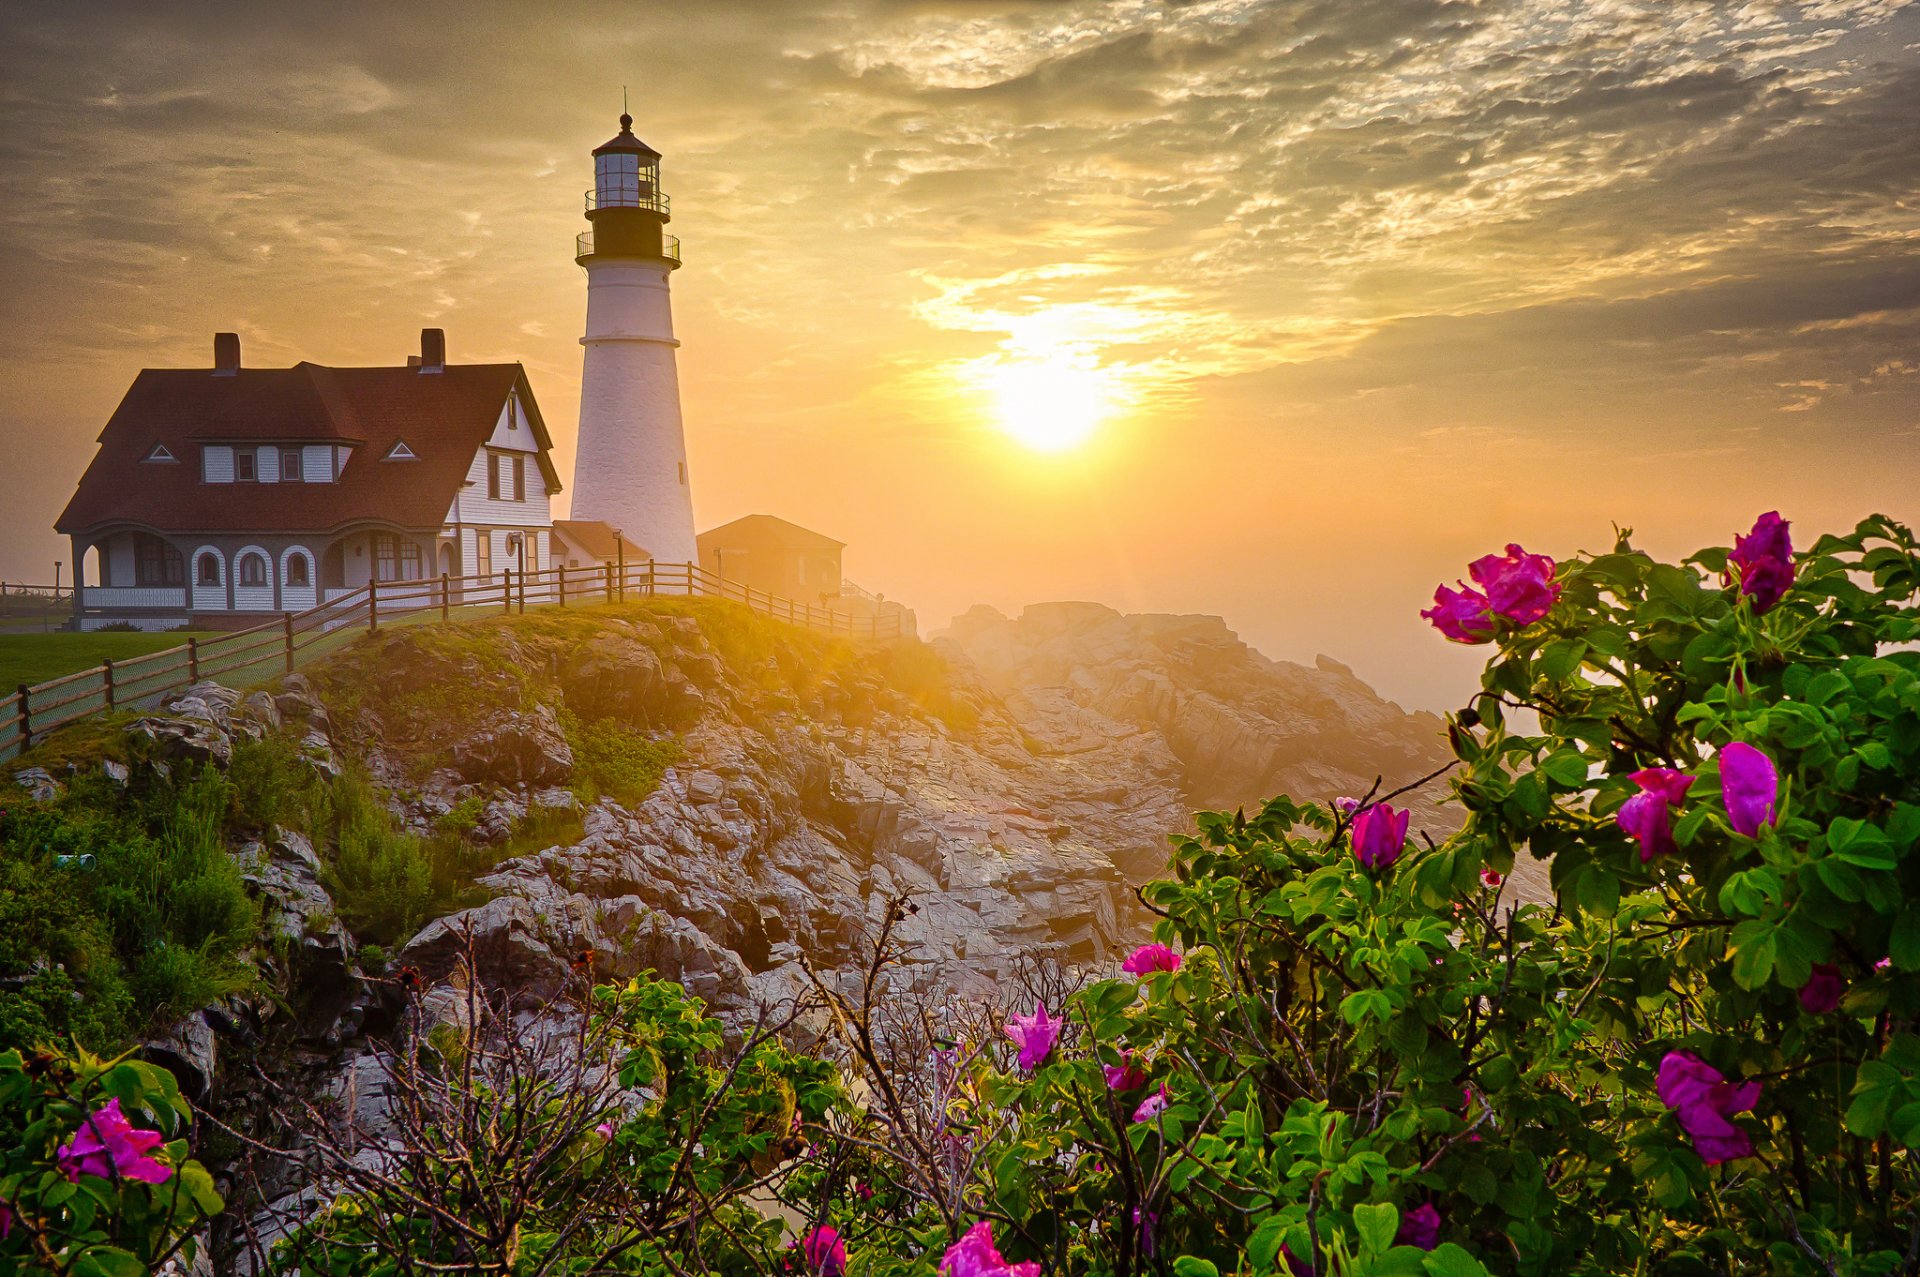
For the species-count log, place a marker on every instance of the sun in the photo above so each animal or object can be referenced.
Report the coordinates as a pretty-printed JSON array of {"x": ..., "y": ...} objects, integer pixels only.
[{"x": 1049, "y": 404}]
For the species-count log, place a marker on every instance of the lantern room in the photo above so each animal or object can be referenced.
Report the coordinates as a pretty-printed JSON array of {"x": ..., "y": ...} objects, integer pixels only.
[{"x": 626, "y": 173}]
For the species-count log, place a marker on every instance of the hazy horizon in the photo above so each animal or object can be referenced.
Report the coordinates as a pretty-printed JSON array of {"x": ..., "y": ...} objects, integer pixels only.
[{"x": 1351, "y": 293}]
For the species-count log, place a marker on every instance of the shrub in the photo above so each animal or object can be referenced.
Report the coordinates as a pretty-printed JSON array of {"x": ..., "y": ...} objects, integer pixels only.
[
  {"x": 616, "y": 760},
  {"x": 125, "y": 1208}
]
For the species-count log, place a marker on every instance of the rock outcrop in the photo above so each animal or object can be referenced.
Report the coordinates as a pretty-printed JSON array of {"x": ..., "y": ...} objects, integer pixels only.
[{"x": 1014, "y": 783}]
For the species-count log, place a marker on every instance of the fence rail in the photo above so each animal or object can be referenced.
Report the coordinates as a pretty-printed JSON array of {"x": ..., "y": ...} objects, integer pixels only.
[{"x": 282, "y": 640}]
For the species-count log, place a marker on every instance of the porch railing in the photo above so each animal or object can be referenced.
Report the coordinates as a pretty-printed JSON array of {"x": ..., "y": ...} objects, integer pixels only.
[{"x": 279, "y": 646}]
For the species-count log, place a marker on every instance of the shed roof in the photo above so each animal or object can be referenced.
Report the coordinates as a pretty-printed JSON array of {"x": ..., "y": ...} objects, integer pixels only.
[
  {"x": 596, "y": 537},
  {"x": 768, "y": 529}
]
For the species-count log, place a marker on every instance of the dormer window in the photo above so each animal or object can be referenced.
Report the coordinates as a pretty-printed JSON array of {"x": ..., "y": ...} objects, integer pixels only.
[
  {"x": 160, "y": 453},
  {"x": 243, "y": 466},
  {"x": 400, "y": 452},
  {"x": 513, "y": 412}
]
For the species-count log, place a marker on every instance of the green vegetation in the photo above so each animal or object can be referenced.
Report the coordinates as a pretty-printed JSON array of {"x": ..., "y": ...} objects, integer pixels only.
[
  {"x": 614, "y": 759},
  {"x": 129, "y": 901},
  {"x": 35, "y": 658}
]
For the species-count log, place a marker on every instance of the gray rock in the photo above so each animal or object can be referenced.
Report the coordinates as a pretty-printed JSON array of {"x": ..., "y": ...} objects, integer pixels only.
[
  {"x": 188, "y": 739},
  {"x": 515, "y": 746},
  {"x": 117, "y": 772},
  {"x": 39, "y": 784},
  {"x": 187, "y": 1051}
]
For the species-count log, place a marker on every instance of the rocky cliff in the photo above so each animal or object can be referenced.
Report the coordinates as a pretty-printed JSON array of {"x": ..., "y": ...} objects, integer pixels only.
[{"x": 1016, "y": 779}]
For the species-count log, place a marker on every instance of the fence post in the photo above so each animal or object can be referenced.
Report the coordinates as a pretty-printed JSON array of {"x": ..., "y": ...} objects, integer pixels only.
[
  {"x": 690, "y": 580},
  {"x": 563, "y": 585},
  {"x": 373, "y": 604},
  {"x": 106, "y": 679},
  {"x": 193, "y": 659},
  {"x": 506, "y": 589},
  {"x": 609, "y": 568},
  {"x": 443, "y": 596},
  {"x": 286, "y": 631},
  {"x": 523, "y": 591},
  {"x": 26, "y": 718}
]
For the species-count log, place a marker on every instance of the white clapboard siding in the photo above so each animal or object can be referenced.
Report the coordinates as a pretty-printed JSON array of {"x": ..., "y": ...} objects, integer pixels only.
[
  {"x": 267, "y": 463},
  {"x": 318, "y": 459},
  {"x": 216, "y": 463}
]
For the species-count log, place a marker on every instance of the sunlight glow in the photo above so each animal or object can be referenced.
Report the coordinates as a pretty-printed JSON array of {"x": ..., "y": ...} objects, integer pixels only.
[{"x": 1050, "y": 403}]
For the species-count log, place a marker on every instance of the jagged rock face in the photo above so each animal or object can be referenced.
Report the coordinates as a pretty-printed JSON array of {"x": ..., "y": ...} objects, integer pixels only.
[
  {"x": 812, "y": 787},
  {"x": 1242, "y": 727}
]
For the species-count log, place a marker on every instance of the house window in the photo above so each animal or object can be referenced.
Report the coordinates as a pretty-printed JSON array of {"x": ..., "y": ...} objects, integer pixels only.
[
  {"x": 483, "y": 552},
  {"x": 243, "y": 466},
  {"x": 519, "y": 478},
  {"x": 493, "y": 476},
  {"x": 253, "y": 569},
  {"x": 156, "y": 563},
  {"x": 206, "y": 570},
  {"x": 513, "y": 412},
  {"x": 298, "y": 572},
  {"x": 291, "y": 469},
  {"x": 160, "y": 453},
  {"x": 409, "y": 560}
]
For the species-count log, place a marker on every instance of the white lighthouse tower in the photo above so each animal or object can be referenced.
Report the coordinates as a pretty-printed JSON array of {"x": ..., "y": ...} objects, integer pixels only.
[{"x": 632, "y": 465}]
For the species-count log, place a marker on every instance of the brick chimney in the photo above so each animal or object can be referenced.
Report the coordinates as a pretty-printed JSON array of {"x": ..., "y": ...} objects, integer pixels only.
[
  {"x": 433, "y": 350},
  {"x": 226, "y": 354}
]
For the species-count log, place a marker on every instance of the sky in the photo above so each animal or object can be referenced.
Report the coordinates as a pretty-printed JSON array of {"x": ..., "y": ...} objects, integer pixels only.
[{"x": 1345, "y": 292}]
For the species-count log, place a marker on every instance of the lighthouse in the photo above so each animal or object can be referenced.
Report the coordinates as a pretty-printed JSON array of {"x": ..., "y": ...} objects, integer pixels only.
[{"x": 631, "y": 470}]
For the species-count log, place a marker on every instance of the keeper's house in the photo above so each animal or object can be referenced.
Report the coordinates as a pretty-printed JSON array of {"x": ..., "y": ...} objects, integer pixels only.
[{"x": 221, "y": 494}]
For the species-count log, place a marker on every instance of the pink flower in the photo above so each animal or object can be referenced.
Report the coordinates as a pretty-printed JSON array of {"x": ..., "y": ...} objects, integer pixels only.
[
  {"x": 1704, "y": 1101},
  {"x": 1346, "y": 806},
  {"x": 1648, "y": 815},
  {"x": 1463, "y": 615},
  {"x": 1765, "y": 559},
  {"x": 975, "y": 1255},
  {"x": 1749, "y": 783},
  {"x": 1821, "y": 993},
  {"x": 6, "y": 1214},
  {"x": 1153, "y": 1106},
  {"x": 1146, "y": 1222},
  {"x": 107, "y": 1145},
  {"x": 1124, "y": 1076},
  {"x": 1419, "y": 1227},
  {"x": 1883, "y": 964},
  {"x": 1296, "y": 1265},
  {"x": 1151, "y": 957},
  {"x": 1489, "y": 877},
  {"x": 826, "y": 1252},
  {"x": 1036, "y": 1035},
  {"x": 604, "y": 1130},
  {"x": 1379, "y": 835},
  {"x": 1519, "y": 586}
]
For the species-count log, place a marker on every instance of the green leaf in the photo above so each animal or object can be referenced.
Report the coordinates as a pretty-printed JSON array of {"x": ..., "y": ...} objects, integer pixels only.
[
  {"x": 1562, "y": 657},
  {"x": 1377, "y": 1223},
  {"x": 108, "y": 1261},
  {"x": 1753, "y": 953},
  {"x": 1263, "y": 1248},
  {"x": 1566, "y": 767},
  {"x": 1450, "y": 1260},
  {"x": 1194, "y": 1266},
  {"x": 1903, "y": 945}
]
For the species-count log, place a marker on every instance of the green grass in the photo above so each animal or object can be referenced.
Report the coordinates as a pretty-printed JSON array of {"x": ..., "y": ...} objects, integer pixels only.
[{"x": 35, "y": 658}]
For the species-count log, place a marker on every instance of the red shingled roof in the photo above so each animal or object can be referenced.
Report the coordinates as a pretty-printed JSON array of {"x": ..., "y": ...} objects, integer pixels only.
[{"x": 443, "y": 417}]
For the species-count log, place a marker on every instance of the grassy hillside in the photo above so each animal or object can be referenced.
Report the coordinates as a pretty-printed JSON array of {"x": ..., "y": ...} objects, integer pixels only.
[{"x": 35, "y": 658}]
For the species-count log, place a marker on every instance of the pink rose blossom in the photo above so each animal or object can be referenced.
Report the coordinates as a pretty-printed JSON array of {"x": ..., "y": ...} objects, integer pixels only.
[
  {"x": 1153, "y": 1106},
  {"x": 1648, "y": 815},
  {"x": 1705, "y": 1102},
  {"x": 1420, "y": 1227},
  {"x": 1749, "y": 784},
  {"x": 1036, "y": 1035},
  {"x": 107, "y": 1145},
  {"x": 1765, "y": 559},
  {"x": 1491, "y": 878},
  {"x": 1519, "y": 586},
  {"x": 975, "y": 1255},
  {"x": 825, "y": 1251},
  {"x": 1149, "y": 958},
  {"x": 1463, "y": 615},
  {"x": 1823, "y": 989},
  {"x": 1379, "y": 835},
  {"x": 1124, "y": 1076}
]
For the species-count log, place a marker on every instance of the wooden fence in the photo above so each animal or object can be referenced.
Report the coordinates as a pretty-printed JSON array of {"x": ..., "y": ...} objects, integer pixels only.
[{"x": 280, "y": 645}]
